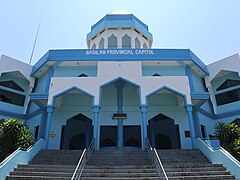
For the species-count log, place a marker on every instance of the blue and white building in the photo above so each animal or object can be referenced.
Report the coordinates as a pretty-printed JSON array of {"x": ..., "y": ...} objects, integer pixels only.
[{"x": 120, "y": 90}]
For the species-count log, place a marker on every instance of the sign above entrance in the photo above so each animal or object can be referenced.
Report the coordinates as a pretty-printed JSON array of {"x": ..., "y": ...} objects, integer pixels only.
[
  {"x": 119, "y": 51},
  {"x": 119, "y": 116}
]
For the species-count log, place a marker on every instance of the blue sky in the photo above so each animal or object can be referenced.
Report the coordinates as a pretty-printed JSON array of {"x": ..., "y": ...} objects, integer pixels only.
[{"x": 210, "y": 28}]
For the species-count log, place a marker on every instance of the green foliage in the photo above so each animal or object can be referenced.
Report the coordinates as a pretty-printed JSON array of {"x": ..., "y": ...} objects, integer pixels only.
[
  {"x": 13, "y": 134},
  {"x": 229, "y": 136}
]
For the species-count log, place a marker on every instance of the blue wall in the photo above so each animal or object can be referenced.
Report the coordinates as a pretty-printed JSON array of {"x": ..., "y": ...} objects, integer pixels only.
[
  {"x": 163, "y": 70},
  {"x": 75, "y": 71}
]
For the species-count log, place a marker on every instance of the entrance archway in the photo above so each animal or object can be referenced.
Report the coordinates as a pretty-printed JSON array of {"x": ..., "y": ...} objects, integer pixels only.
[
  {"x": 77, "y": 133},
  {"x": 163, "y": 133},
  {"x": 120, "y": 97}
]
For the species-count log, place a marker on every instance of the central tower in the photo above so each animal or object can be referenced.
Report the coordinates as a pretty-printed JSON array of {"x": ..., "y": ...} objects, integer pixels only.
[{"x": 119, "y": 30}]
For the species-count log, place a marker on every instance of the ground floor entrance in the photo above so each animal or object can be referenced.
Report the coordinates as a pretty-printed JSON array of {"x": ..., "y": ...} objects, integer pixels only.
[
  {"x": 77, "y": 133},
  {"x": 131, "y": 137},
  {"x": 163, "y": 133}
]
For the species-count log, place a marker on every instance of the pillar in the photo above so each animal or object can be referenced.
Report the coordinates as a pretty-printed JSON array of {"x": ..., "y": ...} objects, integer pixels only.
[
  {"x": 191, "y": 123},
  {"x": 48, "y": 123},
  {"x": 197, "y": 124},
  {"x": 144, "y": 125},
  {"x": 95, "y": 126},
  {"x": 120, "y": 85},
  {"x": 189, "y": 74}
]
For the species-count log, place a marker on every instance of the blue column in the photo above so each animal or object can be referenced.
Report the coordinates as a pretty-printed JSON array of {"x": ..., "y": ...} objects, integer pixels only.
[
  {"x": 95, "y": 126},
  {"x": 42, "y": 125},
  {"x": 50, "y": 75},
  {"x": 120, "y": 85},
  {"x": 48, "y": 123},
  {"x": 191, "y": 123},
  {"x": 144, "y": 125},
  {"x": 197, "y": 124},
  {"x": 189, "y": 74}
]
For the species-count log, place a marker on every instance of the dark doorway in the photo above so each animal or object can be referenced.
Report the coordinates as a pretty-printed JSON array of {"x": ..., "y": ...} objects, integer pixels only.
[
  {"x": 108, "y": 136},
  {"x": 163, "y": 141},
  {"x": 77, "y": 133},
  {"x": 132, "y": 136},
  {"x": 74, "y": 141},
  {"x": 163, "y": 133}
]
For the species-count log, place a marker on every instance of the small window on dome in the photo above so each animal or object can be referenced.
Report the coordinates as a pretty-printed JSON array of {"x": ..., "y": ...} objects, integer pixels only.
[
  {"x": 137, "y": 43},
  {"x": 126, "y": 41},
  {"x": 101, "y": 44},
  {"x": 94, "y": 46},
  {"x": 156, "y": 74},
  {"x": 112, "y": 42},
  {"x": 145, "y": 46},
  {"x": 83, "y": 75}
]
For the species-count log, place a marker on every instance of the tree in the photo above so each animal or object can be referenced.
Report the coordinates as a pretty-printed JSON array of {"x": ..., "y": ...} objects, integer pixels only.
[
  {"x": 229, "y": 136},
  {"x": 14, "y": 134}
]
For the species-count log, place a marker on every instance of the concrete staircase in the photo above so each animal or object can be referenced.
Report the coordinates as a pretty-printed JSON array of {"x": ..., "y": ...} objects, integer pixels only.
[
  {"x": 124, "y": 165},
  {"x": 49, "y": 165},
  {"x": 191, "y": 165}
]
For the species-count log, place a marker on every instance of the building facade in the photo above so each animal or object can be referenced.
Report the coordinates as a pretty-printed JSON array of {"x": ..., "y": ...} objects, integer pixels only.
[{"x": 120, "y": 91}]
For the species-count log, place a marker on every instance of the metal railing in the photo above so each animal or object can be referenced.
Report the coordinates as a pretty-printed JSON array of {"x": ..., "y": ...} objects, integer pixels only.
[
  {"x": 154, "y": 158},
  {"x": 86, "y": 155}
]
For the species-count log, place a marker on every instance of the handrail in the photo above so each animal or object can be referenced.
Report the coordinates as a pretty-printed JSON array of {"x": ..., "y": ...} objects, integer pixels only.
[
  {"x": 153, "y": 156},
  {"x": 86, "y": 155}
]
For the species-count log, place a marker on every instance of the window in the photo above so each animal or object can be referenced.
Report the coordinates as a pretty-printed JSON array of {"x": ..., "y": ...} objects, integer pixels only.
[
  {"x": 4, "y": 99},
  {"x": 101, "y": 44},
  {"x": 228, "y": 83},
  {"x": 145, "y": 46},
  {"x": 94, "y": 46},
  {"x": 112, "y": 42},
  {"x": 126, "y": 41},
  {"x": 36, "y": 133},
  {"x": 203, "y": 129},
  {"x": 137, "y": 43},
  {"x": 83, "y": 75},
  {"x": 12, "y": 98},
  {"x": 156, "y": 74},
  {"x": 12, "y": 85},
  {"x": 228, "y": 97}
]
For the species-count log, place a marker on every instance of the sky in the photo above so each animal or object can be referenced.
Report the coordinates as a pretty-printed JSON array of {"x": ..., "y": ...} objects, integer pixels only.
[{"x": 210, "y": 28}]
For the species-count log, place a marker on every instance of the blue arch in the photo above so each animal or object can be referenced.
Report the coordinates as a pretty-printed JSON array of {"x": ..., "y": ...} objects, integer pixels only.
[
  {"x": 169, "y": 89},
  {"x": 116, "y": 79},
  {"x": 72, "y": 88}
]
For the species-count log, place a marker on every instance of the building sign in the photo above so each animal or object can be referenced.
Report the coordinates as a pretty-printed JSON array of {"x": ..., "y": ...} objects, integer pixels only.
[
  {"x": 119, "y": 116},
  {"x": 119, "y": 52}
]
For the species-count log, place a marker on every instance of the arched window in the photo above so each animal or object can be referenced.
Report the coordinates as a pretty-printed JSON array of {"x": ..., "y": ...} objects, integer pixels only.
[
  {"x": 94, "y": 46},
  {"x": 12, "y": 85},
  {"x": 112, "y": 42},
  {"x": 156, "y": 74},
  {"x": 137, "y": 43},
  {"x": 228, "y": 83},
  {"x": 126, "y": 41},
  {"x": 145, "y": 46},
  {"x": 101, "y": 44},
  {"x": 83, "y": 75}
]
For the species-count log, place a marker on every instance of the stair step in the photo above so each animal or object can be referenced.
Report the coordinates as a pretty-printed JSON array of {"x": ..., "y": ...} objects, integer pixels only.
[{"x": 20, "y": 177}]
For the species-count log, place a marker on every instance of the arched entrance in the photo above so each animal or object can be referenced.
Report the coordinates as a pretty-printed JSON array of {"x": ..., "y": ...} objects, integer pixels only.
[
  {"x": 163, "y": 133},
  {"x": 120, "y": 97},
  {"x": 77, "y": 132}
]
